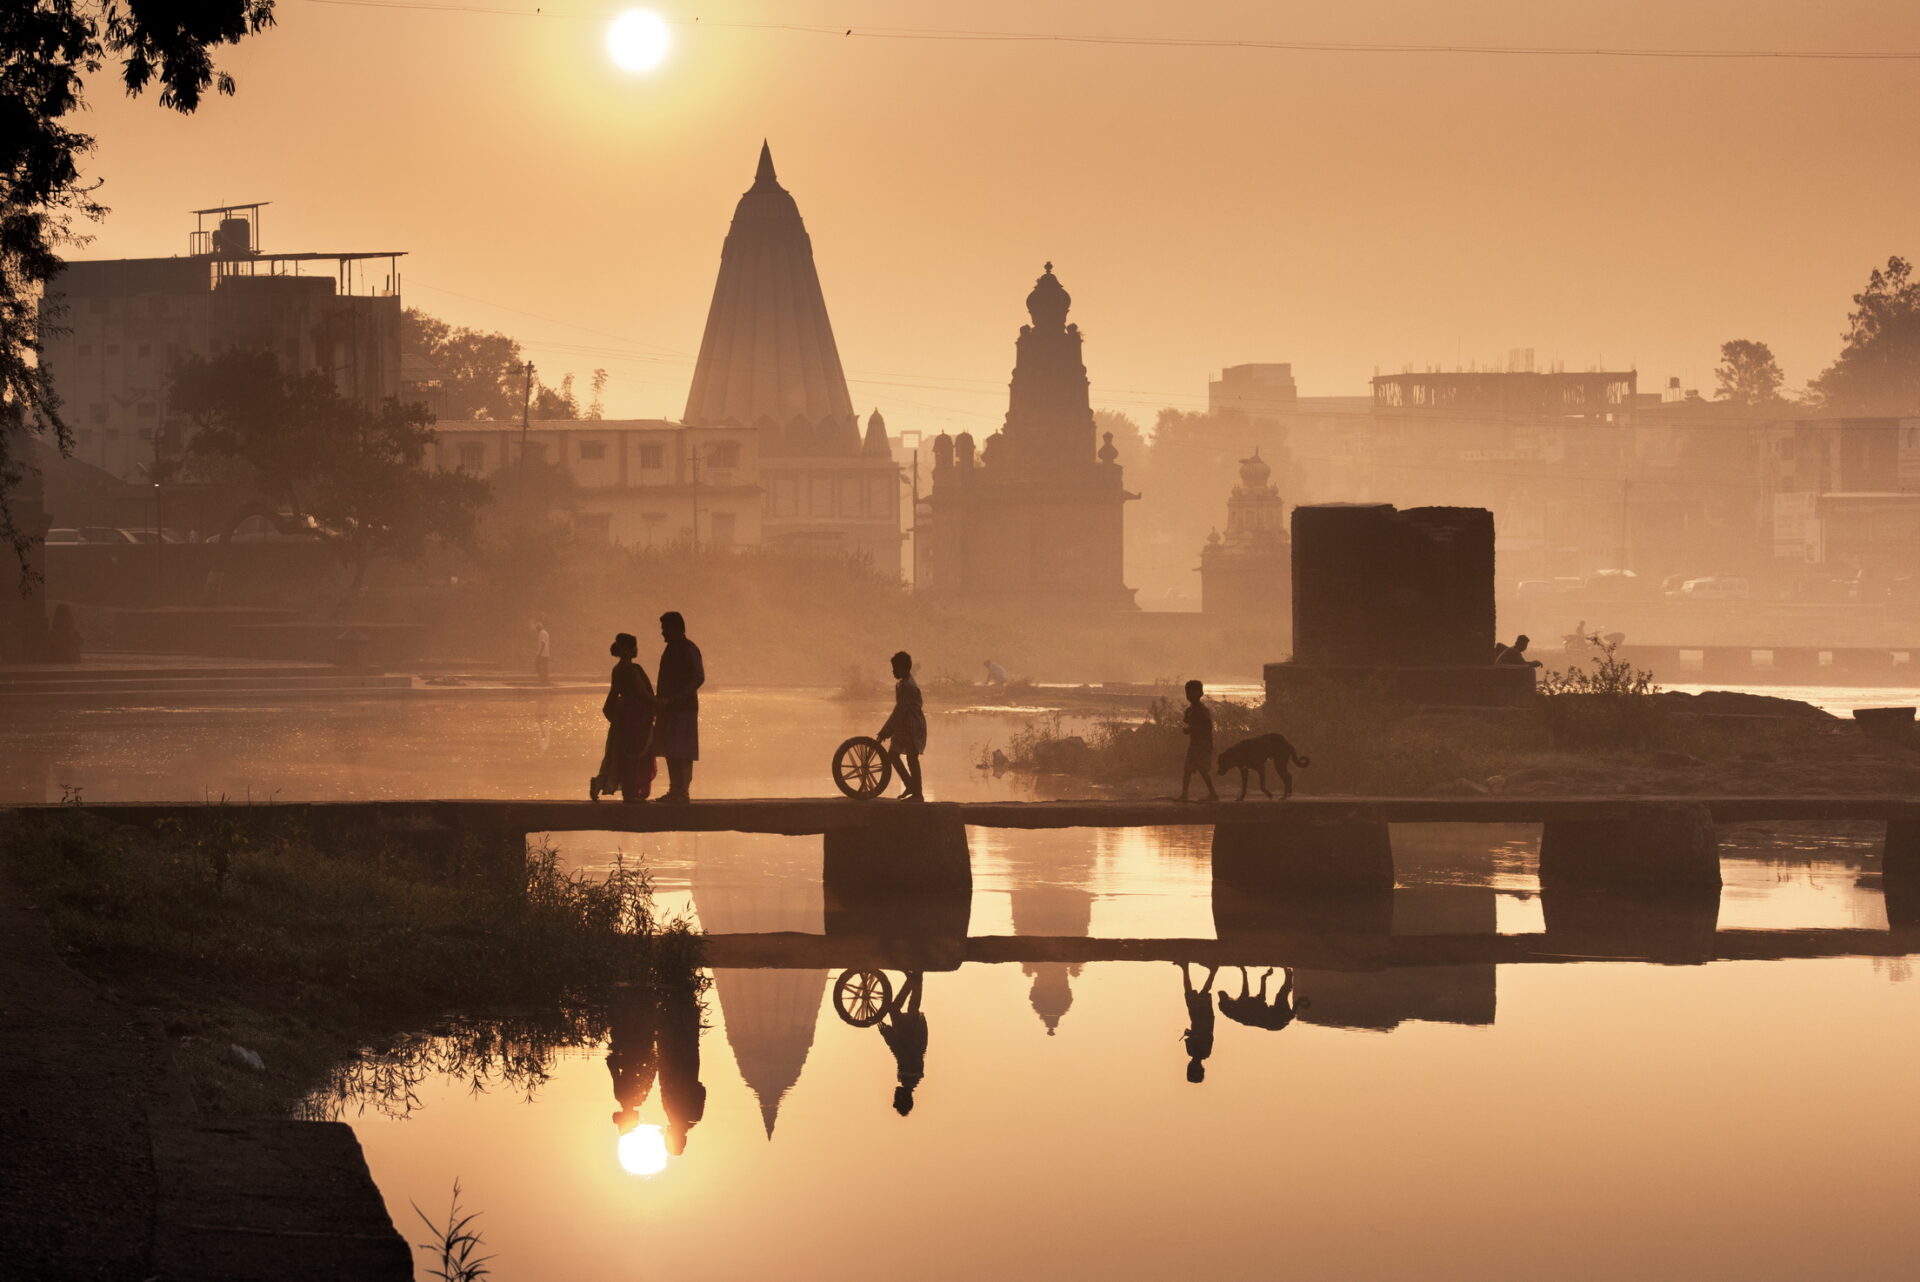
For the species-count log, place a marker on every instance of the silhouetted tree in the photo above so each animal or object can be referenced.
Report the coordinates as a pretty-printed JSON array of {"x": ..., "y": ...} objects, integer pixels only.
[
  {"x": 482, "y": 375},
  {"x": 360, "y": 474},
  {"x": 1878, "y": 371},
  {"x": 47, "y": 47},
  {"x": 1747, "y": 373}
]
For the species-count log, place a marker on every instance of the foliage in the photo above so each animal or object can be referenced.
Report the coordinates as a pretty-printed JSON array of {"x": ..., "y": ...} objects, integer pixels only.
[
  {"x": 455, "y": 1243},
  {"x": 1611, "y": 676},
  {"x": 1606, "y": 707},
  {"x": 359, "y": 473},
  {"x": 241, "y": 927},
  {"x": 1878, "y": 371},
  {"x": 47, "y": 48},
  {"x": 485, "y": 375},
  {"x": 1748, "y": 373}
]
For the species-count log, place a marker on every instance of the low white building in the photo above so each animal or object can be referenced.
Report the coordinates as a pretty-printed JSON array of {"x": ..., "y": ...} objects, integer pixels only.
[{"x": 641, "y": 482}]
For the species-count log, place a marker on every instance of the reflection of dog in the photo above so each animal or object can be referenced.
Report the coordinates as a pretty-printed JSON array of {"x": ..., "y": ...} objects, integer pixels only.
[{"x": 1254, "y": 754}]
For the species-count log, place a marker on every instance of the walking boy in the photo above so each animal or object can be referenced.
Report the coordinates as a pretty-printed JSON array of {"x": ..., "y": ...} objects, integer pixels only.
[
  {"x": 906, "y": 729},
  {"x": 1199, "y": 732}
]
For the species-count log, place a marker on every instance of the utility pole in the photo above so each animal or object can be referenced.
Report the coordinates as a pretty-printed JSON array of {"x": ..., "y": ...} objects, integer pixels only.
[
  {"x": 526, "y": 402},
  {"x": 693, "y": 476}
]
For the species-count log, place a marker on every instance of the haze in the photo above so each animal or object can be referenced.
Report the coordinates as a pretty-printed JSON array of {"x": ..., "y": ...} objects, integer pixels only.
[{"x": 1345, "y": 212}]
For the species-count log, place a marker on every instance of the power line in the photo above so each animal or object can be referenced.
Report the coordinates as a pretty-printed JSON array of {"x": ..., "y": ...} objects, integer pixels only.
[{"x": 840, "y": 31}]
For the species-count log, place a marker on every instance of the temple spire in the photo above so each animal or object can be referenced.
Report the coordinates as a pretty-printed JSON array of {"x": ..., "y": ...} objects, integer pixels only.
[{"x": 765, "y": 174}]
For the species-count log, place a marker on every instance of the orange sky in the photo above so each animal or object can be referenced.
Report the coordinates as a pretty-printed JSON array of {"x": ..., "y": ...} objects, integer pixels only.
[{"x": 1345, "y": 212}]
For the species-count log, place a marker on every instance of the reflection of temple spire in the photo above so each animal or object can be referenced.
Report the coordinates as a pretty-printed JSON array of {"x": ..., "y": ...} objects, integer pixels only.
[
  {"x": 769, "y": 1015},
  {"x": 1051, "y": 910}
]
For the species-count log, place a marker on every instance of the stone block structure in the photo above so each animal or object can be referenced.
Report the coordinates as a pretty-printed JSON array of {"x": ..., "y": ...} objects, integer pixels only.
[{"x": 1401, "y": 602}]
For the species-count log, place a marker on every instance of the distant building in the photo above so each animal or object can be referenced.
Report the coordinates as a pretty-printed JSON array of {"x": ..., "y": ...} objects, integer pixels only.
[
  {"x": 1254, "y": 391},
  {"x": 1519, "y": 392},
  {"x": 1036, "y": 517},
  {"x": 120, "y": 324},
  {"x": 1247, "y": 572},
  {"x": 768, "y": 362},
  {"x": 641, "y": 483}
]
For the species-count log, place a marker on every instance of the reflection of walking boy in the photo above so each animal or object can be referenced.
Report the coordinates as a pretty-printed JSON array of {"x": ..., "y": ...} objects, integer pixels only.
[
  {"x": 905, "y": 1032},
  {"x": 1199, "y": 1034},
  {"x": 1199, "y": 732}
]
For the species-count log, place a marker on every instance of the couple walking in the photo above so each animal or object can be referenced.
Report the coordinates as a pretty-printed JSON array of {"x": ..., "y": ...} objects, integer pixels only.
[{"x": 646, "y": 719}]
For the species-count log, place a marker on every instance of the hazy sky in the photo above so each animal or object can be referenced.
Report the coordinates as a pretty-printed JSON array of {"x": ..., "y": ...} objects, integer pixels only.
[{"x": 1205, "y": 206}]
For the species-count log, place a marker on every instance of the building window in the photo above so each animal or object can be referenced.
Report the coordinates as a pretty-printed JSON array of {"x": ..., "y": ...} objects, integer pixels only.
[
  {"x": 653, "y": 456},
  {"x": 86, "y": 349},
  {"x": 473, "y": 456},
  {"x": 723, "y": 529},
  {"x": 98, "y": 411},
  {"x": 878, "y": 492},
  {"x": 146, "y": 409},
  {"x": 849, "y": 496},
  {"x": 784, "y": 503},
  {"x": 144, "y": 351},
  {"x": 145, "y": 434},
  {"x": 820, "y": 496},
  {"x": 724, "y": 454},
  {"x": 533, "y": 452},
  {"x": 113, "y": 349},
  {"x": 593, "y": 449}
]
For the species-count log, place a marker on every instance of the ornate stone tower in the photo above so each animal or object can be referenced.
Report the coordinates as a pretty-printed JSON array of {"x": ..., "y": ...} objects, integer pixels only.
[
  {"x": 768, "y": 361},
  {"x": 1247, "y": 573},
  {"x": 1034, "y": 517}
]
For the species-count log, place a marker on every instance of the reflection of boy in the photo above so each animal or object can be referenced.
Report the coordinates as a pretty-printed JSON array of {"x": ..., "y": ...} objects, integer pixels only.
[
  {"x": 1199, "y": 1034},
  {"x": 1199, "y": 732}
]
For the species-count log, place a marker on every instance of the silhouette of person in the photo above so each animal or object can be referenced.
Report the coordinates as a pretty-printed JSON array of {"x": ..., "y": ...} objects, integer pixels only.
[
  {"x": 1199, "y": 732},
  {"x": 1255, "y": 1010},
  {"x": 1515, "y": 655},
  {"x": 905, "y": 1031},
  {"x": 542, "y": 652},
  {"x": 630, "y": 1053},
  {"x": 1199, "y": 1034},
  {"x": 996, "y": 675},
  {"x": 627, "y": 765},
  {"x": 676, "y": 726},
  {"x": 906, "y": 728},
  {"x": 681, "y": 1091}
]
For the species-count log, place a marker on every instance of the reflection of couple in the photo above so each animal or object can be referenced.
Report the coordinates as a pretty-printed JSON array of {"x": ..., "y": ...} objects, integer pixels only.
[
  {"x": 644, "y": 723},
  {"x": 657, "y": 1034},
  {"x": 1252, "y": 1008}
]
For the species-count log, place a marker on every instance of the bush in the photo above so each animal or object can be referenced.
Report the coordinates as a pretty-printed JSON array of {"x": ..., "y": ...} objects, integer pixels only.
[{"x": 1609, "y": 707}]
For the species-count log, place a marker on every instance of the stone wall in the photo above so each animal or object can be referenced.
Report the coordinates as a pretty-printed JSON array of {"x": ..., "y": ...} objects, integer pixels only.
[{"x": 1376, "y": 586}]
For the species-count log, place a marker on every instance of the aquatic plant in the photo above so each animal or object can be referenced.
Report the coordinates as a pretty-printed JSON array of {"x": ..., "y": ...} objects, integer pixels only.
[{"x": 454, "y": 1243}]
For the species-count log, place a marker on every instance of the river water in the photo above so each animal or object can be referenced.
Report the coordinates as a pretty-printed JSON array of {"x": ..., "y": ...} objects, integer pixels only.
[{"x": 1535, "y": 1108}]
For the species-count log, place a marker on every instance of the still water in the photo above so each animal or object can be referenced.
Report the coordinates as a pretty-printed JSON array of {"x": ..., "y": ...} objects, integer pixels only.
[{"x": 1535, "y": 1108}]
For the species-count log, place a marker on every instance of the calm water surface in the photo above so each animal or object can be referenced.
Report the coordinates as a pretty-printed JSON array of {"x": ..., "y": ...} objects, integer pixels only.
[{"x": 1561, "y": 1115}]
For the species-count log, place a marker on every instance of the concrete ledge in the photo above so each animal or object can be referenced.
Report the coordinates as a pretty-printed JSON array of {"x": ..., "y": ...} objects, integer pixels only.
[{"x": 1322, "y": 848}]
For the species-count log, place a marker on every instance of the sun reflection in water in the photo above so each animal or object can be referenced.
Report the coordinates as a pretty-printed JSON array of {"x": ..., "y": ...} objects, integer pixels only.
[{"x": 643, "y": 1151}]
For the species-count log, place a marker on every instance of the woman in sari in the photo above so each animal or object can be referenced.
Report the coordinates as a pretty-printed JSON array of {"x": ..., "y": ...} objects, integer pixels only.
[{"x": 627, "y": 765}]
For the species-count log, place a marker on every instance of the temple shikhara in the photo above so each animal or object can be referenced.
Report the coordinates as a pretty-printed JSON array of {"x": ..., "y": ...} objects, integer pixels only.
[
  {"x": 1034, "y": 516},
  {"x": 768, "y": 361}
]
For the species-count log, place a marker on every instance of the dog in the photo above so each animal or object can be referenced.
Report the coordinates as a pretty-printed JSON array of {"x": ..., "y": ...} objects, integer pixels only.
[{"x": 1254, "y": 754}]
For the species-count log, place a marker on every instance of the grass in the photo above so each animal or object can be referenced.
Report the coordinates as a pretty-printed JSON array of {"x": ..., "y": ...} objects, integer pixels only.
[{"x": 242, "y": 932}]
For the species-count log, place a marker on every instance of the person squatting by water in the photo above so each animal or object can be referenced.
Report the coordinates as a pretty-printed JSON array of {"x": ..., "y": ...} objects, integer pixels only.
[
  {"x": 676, "y": 727},
  {"x": 905, "y": 1032},
  {"x": 906, "y": 729},
  {"x": 1199, "y": 1034},
  {"x": 626, "y": 766},
  {"x": 1199, "y": 732}
]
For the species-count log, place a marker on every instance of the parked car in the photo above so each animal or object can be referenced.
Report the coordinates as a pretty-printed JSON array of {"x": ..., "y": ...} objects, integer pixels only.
[
  {"x": 105, "y": 534},
  {"x": 1714, "y": 590},
  {"x": 151, "y": 535},
  {"x": 64, "y": 535}
]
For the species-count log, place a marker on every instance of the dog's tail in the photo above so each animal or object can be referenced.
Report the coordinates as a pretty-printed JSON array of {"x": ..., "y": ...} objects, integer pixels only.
[{"x": 1299, "y": 760}]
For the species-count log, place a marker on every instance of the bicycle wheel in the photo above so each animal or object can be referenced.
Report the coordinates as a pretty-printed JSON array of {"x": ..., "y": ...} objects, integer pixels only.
[
  {"x": 862, "y": 997},
  {"x": 862, "y": 768}
]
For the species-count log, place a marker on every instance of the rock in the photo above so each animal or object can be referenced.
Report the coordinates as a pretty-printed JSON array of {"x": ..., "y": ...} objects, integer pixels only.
[
  {"x": 1739, "y": 703},
  {"x": 1669, "y": 760},
  {"x": 1061, "y": 756}
]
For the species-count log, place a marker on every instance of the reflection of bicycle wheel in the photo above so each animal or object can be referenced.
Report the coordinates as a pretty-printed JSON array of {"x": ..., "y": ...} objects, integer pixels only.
[
  {"x": 862, "y": 767},
  {"x": 862, "y": 996}
]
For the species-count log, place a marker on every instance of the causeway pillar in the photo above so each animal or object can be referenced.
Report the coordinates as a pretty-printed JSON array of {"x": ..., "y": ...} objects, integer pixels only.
[
  {"x": 1900, "y": 873},
  {"x": 1645, "y": 845},
  {"x": 905, "y": 873},
  {"x": 1673, "y": 925},
  {"x": 1318, "y": 850}
]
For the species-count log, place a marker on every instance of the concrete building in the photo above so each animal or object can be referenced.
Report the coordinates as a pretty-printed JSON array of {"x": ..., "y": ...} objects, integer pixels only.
[
  {"x": 1254, "y": 392},
  {"x": 122, "y": 323},
  {"x": 1036, "y": 518},
  {"x": 768, "y": 362},
  {"x": 640, "y": 482}
]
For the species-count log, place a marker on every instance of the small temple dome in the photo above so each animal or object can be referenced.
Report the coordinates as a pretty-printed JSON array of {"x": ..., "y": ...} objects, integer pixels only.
[
  {"x": 1048, "y": 302},
  {"x": 1255, "y": 472},
  {"x": 1108, "y": 452},
  {"x": 876, "y": 444}
]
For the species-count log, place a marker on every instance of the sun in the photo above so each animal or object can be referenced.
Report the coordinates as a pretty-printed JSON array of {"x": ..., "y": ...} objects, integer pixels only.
[
  {"x": 643, "y": 1151},
  {"x": 638, "y": 40}
]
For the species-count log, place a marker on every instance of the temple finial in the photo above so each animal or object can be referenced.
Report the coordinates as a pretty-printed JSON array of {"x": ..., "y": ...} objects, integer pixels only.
[
  {"x": 1049, "y": 267},
  {"x": 765, "y": 172}
]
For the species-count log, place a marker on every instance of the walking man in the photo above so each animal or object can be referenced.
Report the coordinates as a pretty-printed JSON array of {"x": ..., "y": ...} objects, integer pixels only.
[
  {"x": 542, "y": 652},
  {"x": 676, "y": 727}
]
